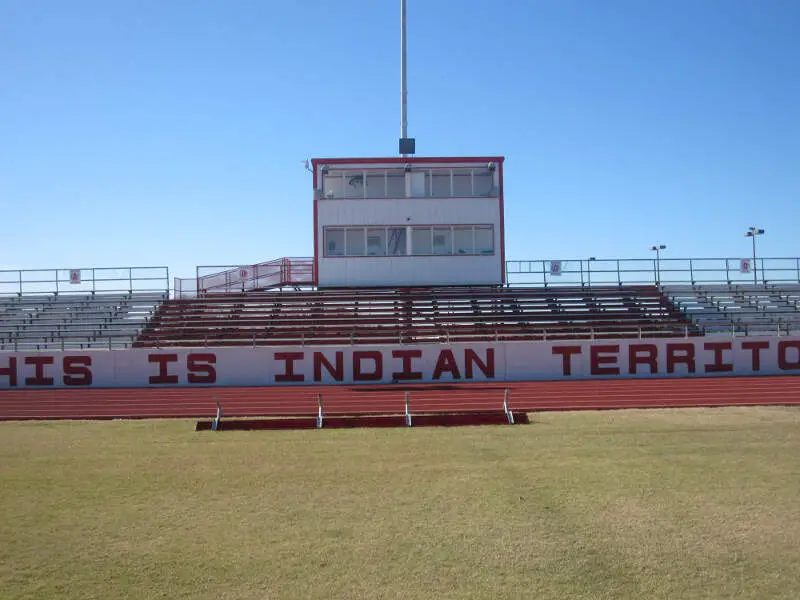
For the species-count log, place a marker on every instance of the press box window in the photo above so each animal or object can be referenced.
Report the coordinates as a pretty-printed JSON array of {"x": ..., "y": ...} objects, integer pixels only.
[
  {"x": 334, "y": 242},
  {"x": 463, "y": 240},
  {"x": 422, "y": 240},
  {"x": 442, "y": 241},
  {"x": 395, "y": 184},
  {"x": 482, "y": 183},
  {"x": 376, "y": 185},
  {"x": 397, "y": 241},
  {"x": 484, "y": 239},
  {"x": 376, "y": 242},
  {"x": 462, "y": 183},
  {"x": 354, "y": 241},
  {"x": 440, "y": 184}
]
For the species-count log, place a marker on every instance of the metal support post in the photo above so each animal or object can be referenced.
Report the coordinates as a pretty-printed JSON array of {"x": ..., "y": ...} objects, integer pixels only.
[
  {"x": 509, "y": 414},
  {"x": 403, "y": 80},
  {"x": 217, "y": 420}
]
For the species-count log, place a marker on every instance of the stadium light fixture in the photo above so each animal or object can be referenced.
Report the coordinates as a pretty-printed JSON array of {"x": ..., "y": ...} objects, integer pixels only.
[
  {"x": 657, "y": 249},
  {"x": 752, "y": 232}
]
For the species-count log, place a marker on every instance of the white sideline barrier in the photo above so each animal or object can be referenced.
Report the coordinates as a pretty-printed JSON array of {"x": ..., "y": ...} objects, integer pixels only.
[{"x": 510, "y": 361}]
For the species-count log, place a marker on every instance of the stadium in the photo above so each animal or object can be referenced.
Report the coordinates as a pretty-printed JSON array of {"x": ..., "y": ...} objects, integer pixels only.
[
  {"x": 179, "y": 436},
  {"x": 408, "y": 284}
]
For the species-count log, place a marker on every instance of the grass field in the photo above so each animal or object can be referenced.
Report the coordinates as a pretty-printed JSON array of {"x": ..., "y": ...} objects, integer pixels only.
[{"x": 697, "y": 503}]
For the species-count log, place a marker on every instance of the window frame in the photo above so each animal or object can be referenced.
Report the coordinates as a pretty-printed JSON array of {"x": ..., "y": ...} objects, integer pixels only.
[
  {"x": 415, "y": 229},
  {"x": 352, "y": 183}
]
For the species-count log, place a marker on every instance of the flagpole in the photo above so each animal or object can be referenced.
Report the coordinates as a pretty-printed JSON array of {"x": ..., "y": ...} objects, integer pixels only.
[{"x": 403, "y": 81}]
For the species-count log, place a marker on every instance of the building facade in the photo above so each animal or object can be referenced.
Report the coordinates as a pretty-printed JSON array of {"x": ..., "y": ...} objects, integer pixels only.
[{"x": 408, "y": 221}]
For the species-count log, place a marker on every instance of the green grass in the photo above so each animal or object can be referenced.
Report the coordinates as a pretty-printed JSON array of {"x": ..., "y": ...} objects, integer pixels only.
[{"x": 630, "y": 504}]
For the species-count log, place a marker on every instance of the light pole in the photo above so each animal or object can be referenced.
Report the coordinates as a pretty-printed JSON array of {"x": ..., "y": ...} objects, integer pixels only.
[
  {"x": 752, "y": 232},
  {"x": 589, "y": 270},
  {"x": 658, "y": 248}
]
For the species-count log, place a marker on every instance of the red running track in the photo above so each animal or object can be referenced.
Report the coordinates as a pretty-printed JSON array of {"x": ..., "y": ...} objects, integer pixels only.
[{"x": 387, "y": 399}]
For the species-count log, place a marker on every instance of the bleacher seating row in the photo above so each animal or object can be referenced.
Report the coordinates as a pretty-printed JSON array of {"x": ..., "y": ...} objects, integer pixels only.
[
  {"x": 740, "y": 310},
  {"x": 75, "y": 321},
  {"x": 408, "y": 316}
]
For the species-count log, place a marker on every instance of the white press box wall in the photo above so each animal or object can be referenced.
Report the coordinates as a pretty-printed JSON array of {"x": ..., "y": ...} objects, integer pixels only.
[{"x": 379, "y": 204}]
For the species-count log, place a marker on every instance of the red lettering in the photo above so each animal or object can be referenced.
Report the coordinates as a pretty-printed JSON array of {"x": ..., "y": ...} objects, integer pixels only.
[
  {"x": 163, "y": 370},
  {"x": 680, "y": 354},
  {"x": 359, "y": 374},
  {"x": 755, "y": 352},
  {"x": 336, "y": 371},
  {"x": 597, "y": 359},
  {"x": 39, "y": 363},
  {"x": 566, "y": 353},
  {"x": 289, "y": 359},
  {"x": 446, "y": 362},
  {"x": 77, "y": 371},
  {"x": 719, "y": 366},
  {"x": 201, "y": 367},
  {"x": 10, "y": 371},
  {"x": 783, "y": 360},
  {"x": 487, "y": 368},
  {"x": 648, "y": 355},
  {"x": 407, "y": 374}
]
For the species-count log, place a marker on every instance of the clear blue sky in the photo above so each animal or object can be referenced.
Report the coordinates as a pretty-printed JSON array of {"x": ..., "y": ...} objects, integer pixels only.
[{"x": 172, "y": 132}]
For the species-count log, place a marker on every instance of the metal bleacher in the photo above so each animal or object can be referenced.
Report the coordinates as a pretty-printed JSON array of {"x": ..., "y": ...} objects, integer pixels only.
[
  {"x": 413, "y": 316},
  {"x": 60, "y": 309},
  {"x": 588, "y": 299},
  {"x": 740, "y": 309},
  {"x": 64, "y": 322}
]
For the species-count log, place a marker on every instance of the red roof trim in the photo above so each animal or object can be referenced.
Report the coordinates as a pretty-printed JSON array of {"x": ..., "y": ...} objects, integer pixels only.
[{"x": 410, "y": 159}]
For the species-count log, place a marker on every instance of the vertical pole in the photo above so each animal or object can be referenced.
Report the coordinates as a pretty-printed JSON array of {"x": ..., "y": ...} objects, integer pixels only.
[
  {"x": 658, "y": 266},
  {"x": 589, "y": 273},
  {"x": 509, "y": 414},
  {"x": 216, "y": 422},
  {"x": 655, "y": 269},
  {"x": 544, "y": 274},
  {"x": 755, "y": 267},
  {"x": 403, "y": 83}
]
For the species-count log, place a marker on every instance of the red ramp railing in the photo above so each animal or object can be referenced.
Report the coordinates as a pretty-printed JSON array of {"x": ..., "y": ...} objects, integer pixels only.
[{"x": 281, "y": 272}]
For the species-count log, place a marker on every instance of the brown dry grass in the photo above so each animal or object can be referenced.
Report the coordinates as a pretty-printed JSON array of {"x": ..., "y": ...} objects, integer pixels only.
[{"x": 629, "y": 504}]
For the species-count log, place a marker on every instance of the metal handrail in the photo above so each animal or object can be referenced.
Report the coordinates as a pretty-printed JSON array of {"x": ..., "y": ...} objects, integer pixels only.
[
  {"x": 279, "y": 272},
  {"x": 651, "y": 271},
  {"x": 83, "y": 281},
  {"x": 729, "y": 330}
]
